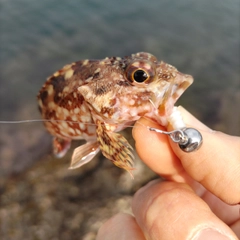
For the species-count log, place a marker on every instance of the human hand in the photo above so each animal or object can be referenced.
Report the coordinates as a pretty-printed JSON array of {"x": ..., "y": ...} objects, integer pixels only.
[{"x": 200, "y": 197}]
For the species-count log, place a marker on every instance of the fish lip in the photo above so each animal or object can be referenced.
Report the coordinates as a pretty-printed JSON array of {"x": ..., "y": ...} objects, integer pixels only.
[
  {"x": 180, "y": 84},
  {"x": 177, "y": 87}
]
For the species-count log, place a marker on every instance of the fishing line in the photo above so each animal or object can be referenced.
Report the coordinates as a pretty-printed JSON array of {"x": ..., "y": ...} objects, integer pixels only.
[
  {"x": 55, "y": 120},
  {"x": 41, "y": 120},
  {"x": 188, "y": 139}
]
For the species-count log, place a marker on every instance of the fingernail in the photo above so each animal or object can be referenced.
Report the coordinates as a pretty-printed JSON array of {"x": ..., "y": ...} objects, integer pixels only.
[{"x": 210, "y": 234}]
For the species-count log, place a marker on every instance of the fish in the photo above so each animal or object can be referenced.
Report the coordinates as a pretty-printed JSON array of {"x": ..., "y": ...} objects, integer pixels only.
[{"x": 95, "y": 99}]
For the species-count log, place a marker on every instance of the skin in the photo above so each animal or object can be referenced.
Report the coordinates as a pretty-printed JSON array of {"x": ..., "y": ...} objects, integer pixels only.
[{"x": 200, "y": 196}]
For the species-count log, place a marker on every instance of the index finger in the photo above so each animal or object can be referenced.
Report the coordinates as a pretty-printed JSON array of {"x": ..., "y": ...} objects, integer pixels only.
[{"x": 216, "y": 165}]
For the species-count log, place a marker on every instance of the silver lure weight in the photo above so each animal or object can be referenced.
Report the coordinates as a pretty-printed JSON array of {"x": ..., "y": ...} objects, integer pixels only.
[{"x": 188, "y": 139}]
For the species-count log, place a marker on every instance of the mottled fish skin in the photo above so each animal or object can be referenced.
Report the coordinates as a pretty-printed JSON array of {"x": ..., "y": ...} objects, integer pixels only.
[{"x": 94, "y": 99}]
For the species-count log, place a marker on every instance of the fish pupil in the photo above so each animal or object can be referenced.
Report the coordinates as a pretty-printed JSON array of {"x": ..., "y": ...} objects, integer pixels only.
[{"x": 140, "y": 76}]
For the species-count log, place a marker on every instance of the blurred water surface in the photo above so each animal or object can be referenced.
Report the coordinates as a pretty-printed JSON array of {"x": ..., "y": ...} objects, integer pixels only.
[
  {"x": 38, "y": 37},
  {"x": 200, "y": 38}
]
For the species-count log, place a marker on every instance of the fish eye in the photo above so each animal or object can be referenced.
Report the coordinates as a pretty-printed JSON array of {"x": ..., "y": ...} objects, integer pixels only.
[
  {"x": 140, "y": 72},
  {"x": 140, "y": 76}
]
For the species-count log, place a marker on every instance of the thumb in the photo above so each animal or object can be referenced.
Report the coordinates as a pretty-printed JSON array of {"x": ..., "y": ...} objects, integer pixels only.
[{"x": 216, "y": 165}]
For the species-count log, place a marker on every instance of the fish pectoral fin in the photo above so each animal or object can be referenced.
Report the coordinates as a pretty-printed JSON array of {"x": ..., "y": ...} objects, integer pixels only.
[
  {"x": 60, "y": 146},
  {"x": 115, "y": 147},
  {"x": 84, "y": 154}
]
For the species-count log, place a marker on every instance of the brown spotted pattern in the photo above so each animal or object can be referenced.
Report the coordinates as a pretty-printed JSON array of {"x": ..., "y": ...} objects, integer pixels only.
[{"x": 94, "y": 99}]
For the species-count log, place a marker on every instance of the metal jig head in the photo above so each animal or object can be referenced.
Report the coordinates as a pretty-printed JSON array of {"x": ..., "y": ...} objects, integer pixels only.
[{"x": 188, "y": 139}]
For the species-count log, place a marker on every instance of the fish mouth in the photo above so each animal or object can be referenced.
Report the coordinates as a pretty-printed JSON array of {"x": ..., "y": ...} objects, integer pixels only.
[
  {"x": 180, "y": 84},
  {"x": 177, "y": 87}
]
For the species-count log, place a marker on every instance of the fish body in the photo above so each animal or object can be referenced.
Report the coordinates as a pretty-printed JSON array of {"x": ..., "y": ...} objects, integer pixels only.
[{"x": 95, "y": 99}]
